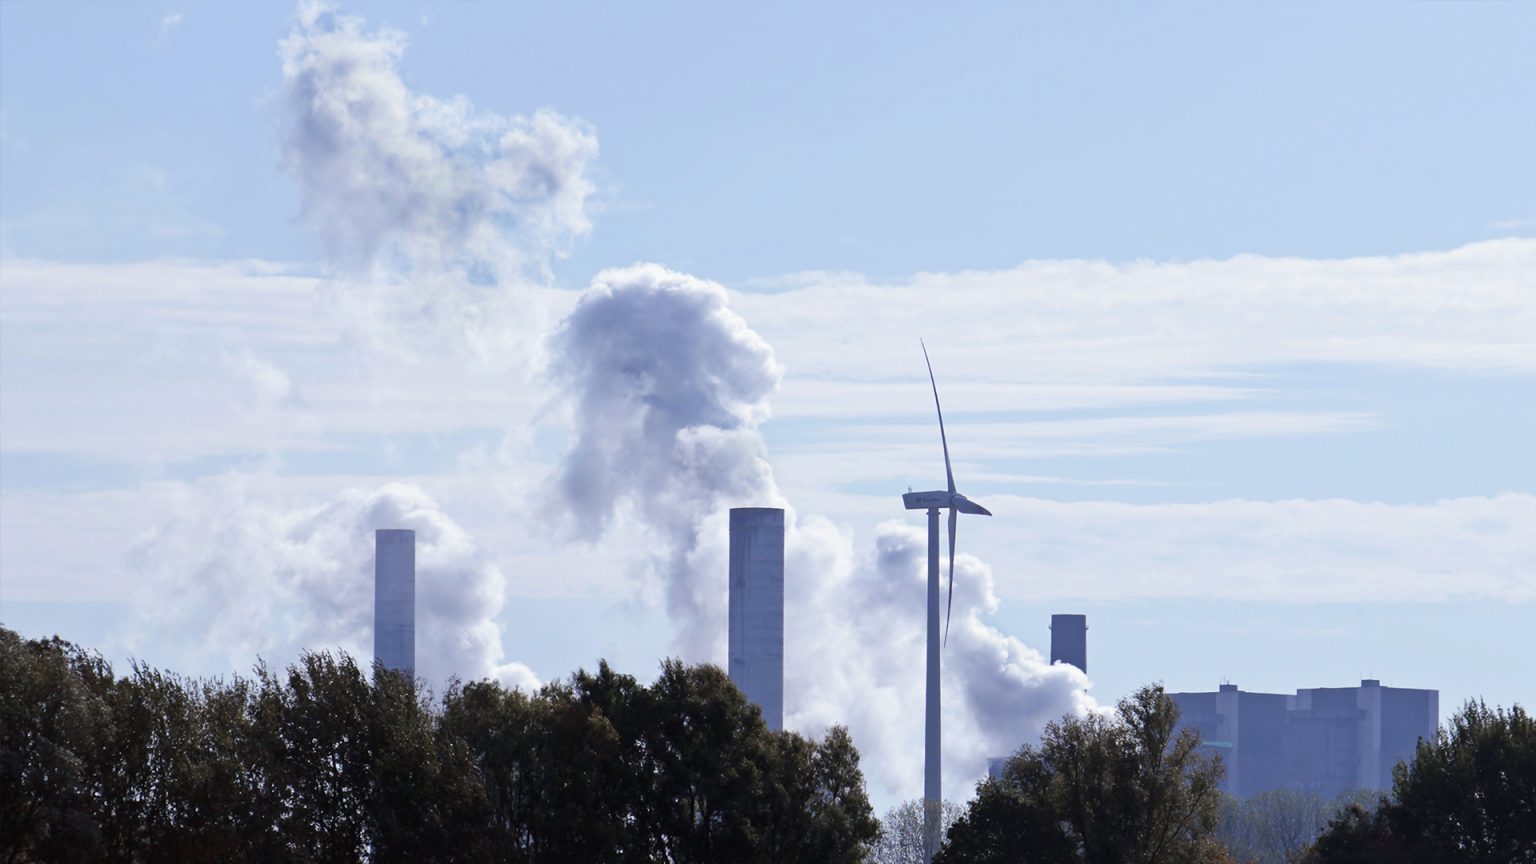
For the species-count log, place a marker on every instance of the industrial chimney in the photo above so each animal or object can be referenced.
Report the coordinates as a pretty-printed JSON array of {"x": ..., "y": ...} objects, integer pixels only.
[
  {"x": 756, "y": 638},
  {"x": 1069, "y": 640},
  {"x": 394, "y": 599}
]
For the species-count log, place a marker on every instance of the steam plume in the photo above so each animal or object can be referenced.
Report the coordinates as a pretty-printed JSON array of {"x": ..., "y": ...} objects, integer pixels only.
[
  {"x": 251, "y": 577},
  {"x": 435, "y": 205},
  {"x": 668, "y": 387}
]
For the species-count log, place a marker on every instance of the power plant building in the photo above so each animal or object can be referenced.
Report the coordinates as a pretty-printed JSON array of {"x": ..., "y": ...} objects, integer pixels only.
[
  {"x": 1069, "y": 640},
  {"x": 394, "y": 599},
  {"x": 1325, "y": 739},
  {"x": 756, "y": 617}
]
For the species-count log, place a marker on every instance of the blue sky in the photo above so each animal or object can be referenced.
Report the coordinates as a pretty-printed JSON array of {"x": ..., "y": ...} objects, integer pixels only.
[
  {"x": 970, "y": 138},
  {"x": 1231, "y": 308}
]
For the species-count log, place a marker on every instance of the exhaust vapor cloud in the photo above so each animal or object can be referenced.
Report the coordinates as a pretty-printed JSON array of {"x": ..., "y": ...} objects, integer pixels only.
[
  {"x": 429, "y": 208},
  {"x": 855, "y": 637},
  {"x": 667, "y": 389},
  {"x": 439, "y": 222},
  {"x": 389, "y": 174},
  {"x": 253, "y": 577}
]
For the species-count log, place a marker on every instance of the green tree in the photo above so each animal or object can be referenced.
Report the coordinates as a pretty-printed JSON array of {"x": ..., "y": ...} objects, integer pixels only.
[
  {"x": 53, "y": 718},
  {"x": 1357, "y": 835},
  {"x": 494, "y": 725},
  {"x": 313, "y": 725},
  {"x": 1012, "y": 819},
  {"x": 425, "y": 799},
  {"x": 901, "y": 832},
  {"x": 1099, "y": 790},
  {"x": 1276, "y": 826},
  {"x": 145, "y": 768},
  {"x": 321, "y": 764},
  {"x": 817, "y": 808},
  {"x": 172, "y": 784},
  {"x": 559, "y": 777},
  {"x": 581, "y": 799},
  {"x": 353, "y": 769},
  {"x": 709, "y": 766},
  {"x": 1469, "y": 796},
  {"x": 601, "y": 768}
]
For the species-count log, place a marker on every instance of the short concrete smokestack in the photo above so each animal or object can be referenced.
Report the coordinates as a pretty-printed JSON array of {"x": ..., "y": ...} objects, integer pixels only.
[
  {"x": 756, "y": 638},
  {"x": 1069, "y": 640},
  {"x": 394, "y": 599}
]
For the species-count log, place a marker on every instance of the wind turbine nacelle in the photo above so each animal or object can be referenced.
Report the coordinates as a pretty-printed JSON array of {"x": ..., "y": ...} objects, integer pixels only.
[{"x": 927, "y": 500}]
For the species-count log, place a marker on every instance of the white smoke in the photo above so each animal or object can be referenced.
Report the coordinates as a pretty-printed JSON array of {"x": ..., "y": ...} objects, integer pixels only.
[
  {"x": 429, "y": 209},
  {"x": 855, "y": 633},
  {"x": 437, "y": 221},
  {"x": 668, "y": 387},
  {"x": 251, "y": 577}
]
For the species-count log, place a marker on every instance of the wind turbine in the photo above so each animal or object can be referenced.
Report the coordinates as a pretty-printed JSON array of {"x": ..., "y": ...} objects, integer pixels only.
[{"x": 933, "y": 502}]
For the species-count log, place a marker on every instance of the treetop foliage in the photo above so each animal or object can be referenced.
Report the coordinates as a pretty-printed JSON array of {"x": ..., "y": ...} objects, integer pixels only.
[
  {"x": 323, "y": 762},
  {"x": 902, "y": 840},
  {"x": 1099, "y": 790},
  {"x": 1468, "y": 797},
  {"x": 1276, "y": 826}
]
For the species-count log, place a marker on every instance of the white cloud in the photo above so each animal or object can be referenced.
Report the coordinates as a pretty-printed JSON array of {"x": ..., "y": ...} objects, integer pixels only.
[
  {"x": 1284, "y": 551},
  {"x": 1069, "y": 324},
  {"x": 1033, "y": 343},
  {"x": 899, "y": 445},
  {"x": 1513, "y": 224},
  {"x": 161, "y": 361}
]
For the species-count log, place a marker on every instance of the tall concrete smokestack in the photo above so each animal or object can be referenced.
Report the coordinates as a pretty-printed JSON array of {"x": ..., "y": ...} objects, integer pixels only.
[
  {"x": 394, "y": 599},
  {"x": 756, "y": 636},
  {"x": 1069, "y": 640}
]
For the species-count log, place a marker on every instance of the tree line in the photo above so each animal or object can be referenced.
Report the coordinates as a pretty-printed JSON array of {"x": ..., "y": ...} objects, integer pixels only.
[
  {"x": 326, "y": 763},
  {"x": 1130, "y": 788}
]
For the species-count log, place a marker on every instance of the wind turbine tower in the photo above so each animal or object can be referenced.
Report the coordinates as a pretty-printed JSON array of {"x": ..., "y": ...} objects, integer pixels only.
[{"x": 933, "y": 502}]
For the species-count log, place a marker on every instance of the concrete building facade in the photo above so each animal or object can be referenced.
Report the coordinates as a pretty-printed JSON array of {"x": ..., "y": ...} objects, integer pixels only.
[
  {"x": 756, "y": 609},
  {"x": 394, "y": 599},
  {"x": 1325, "y": 739}
]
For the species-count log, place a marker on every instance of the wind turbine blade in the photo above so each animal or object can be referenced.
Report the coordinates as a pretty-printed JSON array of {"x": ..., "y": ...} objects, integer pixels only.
[
  {"x": 966, "y": 505},
  {"x": 943, "y": 440},
  {"x": 954, "y": 518}
]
